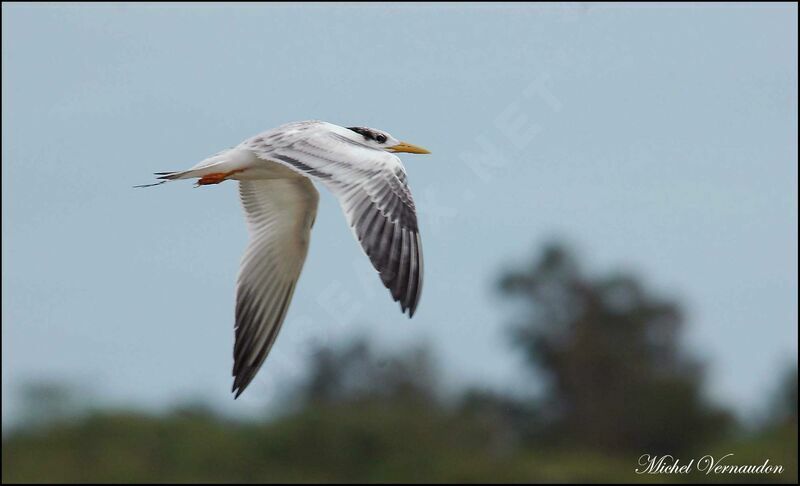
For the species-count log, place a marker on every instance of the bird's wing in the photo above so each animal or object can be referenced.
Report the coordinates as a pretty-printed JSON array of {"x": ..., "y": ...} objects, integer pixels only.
[
  {"x": 280, "y": 213},
  {"x": 371, "y": 186}
]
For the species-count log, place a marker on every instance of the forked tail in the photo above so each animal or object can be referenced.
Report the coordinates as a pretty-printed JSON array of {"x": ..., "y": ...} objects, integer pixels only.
[{"x": 212, "y": 170}]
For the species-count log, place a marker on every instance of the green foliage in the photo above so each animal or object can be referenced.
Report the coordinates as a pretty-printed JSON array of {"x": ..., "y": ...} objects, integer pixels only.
[{"x": 363, "y": 441}]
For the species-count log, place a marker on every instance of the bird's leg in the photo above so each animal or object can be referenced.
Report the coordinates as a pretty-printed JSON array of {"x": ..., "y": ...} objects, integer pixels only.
[{"x": 216, "y": 177}]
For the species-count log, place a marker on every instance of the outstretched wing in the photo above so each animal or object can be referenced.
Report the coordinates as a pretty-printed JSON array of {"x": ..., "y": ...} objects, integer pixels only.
[
  {"x": 371, "y": 187},
  {"x": 280, "y": 213}
]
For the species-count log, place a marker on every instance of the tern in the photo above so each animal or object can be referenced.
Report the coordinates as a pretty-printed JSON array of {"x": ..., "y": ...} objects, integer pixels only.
[{"x": 275, "y": 170}]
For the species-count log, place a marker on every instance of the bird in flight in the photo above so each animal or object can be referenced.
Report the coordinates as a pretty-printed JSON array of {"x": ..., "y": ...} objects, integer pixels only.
[{"x": 275, "y": 170}]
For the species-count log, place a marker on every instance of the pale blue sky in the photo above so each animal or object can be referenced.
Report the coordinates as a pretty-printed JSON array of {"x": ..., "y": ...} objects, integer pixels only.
[{"x": 662, "y": 140}]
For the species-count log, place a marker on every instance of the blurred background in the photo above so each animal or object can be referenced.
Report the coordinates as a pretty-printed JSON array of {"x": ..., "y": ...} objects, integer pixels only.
[{"x": 608, "y": 218}]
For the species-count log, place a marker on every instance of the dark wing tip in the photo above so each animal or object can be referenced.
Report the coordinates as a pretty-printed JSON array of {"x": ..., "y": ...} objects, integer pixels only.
[
  {"x": 410, "y": 306},
  {"x": 385, "y": 224},
  {"x": 245, "y": 368},
  {"x": 404, "y": 280},
  {"x": 242, "y": 376},
  {"x": 241, "y": 379}
]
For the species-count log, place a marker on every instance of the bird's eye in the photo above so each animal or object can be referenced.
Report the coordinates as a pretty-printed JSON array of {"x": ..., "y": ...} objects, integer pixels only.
[{"x": 381, "y": 138}]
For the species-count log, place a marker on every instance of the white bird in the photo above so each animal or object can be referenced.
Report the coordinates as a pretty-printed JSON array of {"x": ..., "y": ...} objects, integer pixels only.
[{"x": 275, "y": 170}]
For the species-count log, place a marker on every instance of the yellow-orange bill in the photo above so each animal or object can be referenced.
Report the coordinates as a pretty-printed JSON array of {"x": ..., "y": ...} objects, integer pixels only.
[{"x": 407, "y": 147}]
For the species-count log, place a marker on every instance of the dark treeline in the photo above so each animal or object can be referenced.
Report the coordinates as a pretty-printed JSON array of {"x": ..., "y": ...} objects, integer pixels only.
[{"x": 617, "y": 384}]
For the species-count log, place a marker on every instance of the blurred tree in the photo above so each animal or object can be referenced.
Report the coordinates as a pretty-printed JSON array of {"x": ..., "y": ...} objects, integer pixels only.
[
  {"x": 45, "y": 402},
  {"x": 508, "y": 420},
  {"x": 354, "y": 373},
  {"x": 610, "y": 354},
  {"x": 369, "y": 416},
  {"x": 784, "y": 403}
]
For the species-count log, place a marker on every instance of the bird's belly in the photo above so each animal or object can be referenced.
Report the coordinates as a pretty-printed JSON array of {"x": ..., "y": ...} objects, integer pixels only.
[{"x": 265, "y": 169}]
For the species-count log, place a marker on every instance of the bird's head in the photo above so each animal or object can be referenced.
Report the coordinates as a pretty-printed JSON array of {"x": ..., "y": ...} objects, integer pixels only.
[{"x": 383, "y": 141}]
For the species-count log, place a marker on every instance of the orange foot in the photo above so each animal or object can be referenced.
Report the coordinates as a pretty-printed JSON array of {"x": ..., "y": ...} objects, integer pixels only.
[{"x": 217, "y": 177}]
